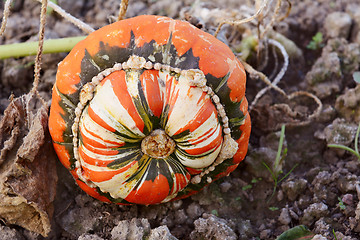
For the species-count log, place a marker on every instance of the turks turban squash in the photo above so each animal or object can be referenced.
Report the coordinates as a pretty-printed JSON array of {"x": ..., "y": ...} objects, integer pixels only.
[{"x": 149, "y": 109}]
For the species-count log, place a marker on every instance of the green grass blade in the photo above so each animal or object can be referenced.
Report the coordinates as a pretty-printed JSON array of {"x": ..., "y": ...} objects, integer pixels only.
[
  {"x": 357, "y": 139},
  {"x": 271, "y": 171},
  {"x": 286, "y": 175},
  {"x": 345, "y": 148},
  {"x": 278, "y": 154}
]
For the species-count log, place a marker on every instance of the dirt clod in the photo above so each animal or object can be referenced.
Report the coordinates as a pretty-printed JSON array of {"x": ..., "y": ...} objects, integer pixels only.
[
  {"x": 293, "y": 188},
  {"x": 212, "y": 227},
  {"x": 348, "y": 104},
  {"x": 324, "y": 75},
  {"x": 8, "y": 233},
  {"x": 340, "y": 132},
  {"x": 134, "y": 229},
  {"x": 86, "y": 236},
  {"x": 313, "y": 212},
  {"x": 161, "y": 233},
  {"x": 284, "y": 217},
  {"x": 319, "y": 237},
  {"x": 194, "y": 210},
  {"x": 337, "y": 24}
]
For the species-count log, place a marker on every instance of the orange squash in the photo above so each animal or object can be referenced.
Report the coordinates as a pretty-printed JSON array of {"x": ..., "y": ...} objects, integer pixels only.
[{"x": 148, "y": 110}]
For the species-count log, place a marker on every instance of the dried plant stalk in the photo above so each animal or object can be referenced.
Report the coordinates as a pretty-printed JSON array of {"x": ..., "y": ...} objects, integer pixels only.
[
  {"x": 287, "y": 11},
  {"x": 37, "y": 67},
  {"x": 317, "y": 111},
  {"x": 263, "y": 77},
  {"x": 273, "y": 19},
  {"x": 6, "y": 14},
  {"x": 123, "y": 8}
]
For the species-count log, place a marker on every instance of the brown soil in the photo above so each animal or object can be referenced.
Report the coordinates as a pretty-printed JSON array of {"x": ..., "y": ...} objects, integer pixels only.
[{"x": 320, "y": 188}]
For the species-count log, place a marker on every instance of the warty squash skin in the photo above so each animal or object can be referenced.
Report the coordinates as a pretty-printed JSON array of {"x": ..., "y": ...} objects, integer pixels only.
[{"x": 148, "y": 110}]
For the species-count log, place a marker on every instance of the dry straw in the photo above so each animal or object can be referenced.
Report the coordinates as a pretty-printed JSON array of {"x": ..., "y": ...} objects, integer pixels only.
[
  {"x": 123, "y": 8},
  {"x": 5, "y": 16}
]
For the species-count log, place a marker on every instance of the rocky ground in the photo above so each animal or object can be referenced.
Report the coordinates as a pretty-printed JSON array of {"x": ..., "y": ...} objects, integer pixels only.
[{"x": 317, "y": 186}]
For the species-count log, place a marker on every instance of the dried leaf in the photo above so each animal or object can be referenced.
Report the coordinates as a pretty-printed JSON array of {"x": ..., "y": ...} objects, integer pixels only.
[{"x": 27, "y": 166}]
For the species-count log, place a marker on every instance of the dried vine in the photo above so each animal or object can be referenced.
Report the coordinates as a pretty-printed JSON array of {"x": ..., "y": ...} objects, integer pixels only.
[
  {"x": 37, "y": 67},
  {"x": 77, "y": 22}
]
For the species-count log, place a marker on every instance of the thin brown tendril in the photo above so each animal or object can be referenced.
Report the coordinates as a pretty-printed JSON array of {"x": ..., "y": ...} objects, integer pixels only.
[
  {"x": 316, "y": 113},
  {"x": 263, "y": 77},
  {"x": 273, "y": 19},
  {"x": 287, "y": 12}
]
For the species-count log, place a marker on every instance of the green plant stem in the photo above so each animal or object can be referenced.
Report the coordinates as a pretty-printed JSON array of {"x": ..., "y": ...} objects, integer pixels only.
[
  {"x": 345, "y": 148},
  {"x": 334, "y": 234},
  {"x": 356, "y": 140},
  {"x": 278, "y": 155},
  {"x": 30, "y": 48}
]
